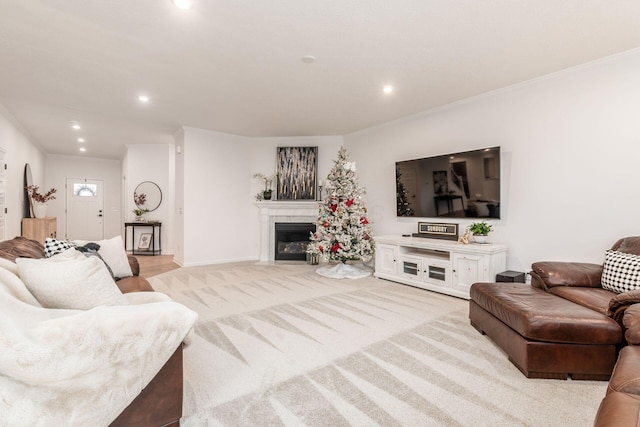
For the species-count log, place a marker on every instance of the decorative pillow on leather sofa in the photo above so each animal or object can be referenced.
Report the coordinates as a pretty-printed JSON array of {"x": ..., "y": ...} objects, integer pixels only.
[
  {"x": 621, "y": 271},
  {"x": 70, "y": 280},
  {"x": 91, "y": 249},
  {"x": 113, "y": 253},
  {"x": 54, "y": 246}
]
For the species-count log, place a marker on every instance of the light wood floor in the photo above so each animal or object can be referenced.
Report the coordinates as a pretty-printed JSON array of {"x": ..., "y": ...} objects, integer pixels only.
[{"x": 154, "y": 265}]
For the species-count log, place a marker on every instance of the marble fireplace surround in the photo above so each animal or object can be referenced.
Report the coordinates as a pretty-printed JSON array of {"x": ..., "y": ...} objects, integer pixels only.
[{"x": 281, "y": 211}]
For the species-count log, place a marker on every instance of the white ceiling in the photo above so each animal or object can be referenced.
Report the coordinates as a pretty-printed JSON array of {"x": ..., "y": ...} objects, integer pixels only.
[{"x": 235, "y": 65}]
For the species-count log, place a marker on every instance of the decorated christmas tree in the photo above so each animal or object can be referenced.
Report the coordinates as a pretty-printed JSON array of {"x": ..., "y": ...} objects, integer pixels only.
[
  {"x": 404, "y": 209},
  {"x": 343, "y": 232}
]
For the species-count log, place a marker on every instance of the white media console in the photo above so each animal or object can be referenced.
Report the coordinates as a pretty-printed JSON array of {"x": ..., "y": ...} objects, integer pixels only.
[{"x": 442, "y": 266}]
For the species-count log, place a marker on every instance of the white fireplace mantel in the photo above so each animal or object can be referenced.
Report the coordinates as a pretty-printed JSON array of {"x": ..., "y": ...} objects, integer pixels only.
[{"x": 281, "y": 211}]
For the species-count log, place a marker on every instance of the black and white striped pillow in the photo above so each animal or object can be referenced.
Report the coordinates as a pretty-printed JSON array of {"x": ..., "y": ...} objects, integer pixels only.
[{"x": 621, "y": 272}]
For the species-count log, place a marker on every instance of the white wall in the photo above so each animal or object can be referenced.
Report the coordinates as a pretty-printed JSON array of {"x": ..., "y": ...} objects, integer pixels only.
[
  {"x": 216, "y": 197},
  {"x": 19, "y": 150},
  {"x": 59, "y": 168},
  {"x": 570, "y": 149},
  {"x": 178, "y": 225},
  {"x": 155, "y": 163}
]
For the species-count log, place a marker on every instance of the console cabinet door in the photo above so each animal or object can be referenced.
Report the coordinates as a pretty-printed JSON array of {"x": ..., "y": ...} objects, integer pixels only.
[
  {"x": 436, "y": 272},
  {"x": 467, "y": 269},
  {"x": 410, "y": 267},
  {"x": 386, "y": 259}
]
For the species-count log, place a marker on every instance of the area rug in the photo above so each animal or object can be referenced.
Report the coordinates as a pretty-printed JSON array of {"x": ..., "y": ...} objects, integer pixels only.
[{"x": 279, "y": 345}]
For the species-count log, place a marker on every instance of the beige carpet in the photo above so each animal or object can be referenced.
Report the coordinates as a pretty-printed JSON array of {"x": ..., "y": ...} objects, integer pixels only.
[{"x": 279, "y": 345}]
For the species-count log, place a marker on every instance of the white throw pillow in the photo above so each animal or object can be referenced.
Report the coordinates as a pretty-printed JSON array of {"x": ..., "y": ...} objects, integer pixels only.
[
  {"x": 70, "y": 280},
  {"x": 621, "y": 271},
  {"x": 113, "y": 253}
]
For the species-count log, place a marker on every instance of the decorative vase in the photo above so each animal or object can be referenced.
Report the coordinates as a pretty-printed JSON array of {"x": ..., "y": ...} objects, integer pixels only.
[
  {"x": 39, "y": 210},
  {"x": 266, "y": 195},
  {"x": 139, "y": 218},
  {"x": 479, "y": 239}
]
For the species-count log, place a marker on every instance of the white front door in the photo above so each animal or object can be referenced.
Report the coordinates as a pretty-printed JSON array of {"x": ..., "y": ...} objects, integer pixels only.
[{"x": 85, "y": 215}]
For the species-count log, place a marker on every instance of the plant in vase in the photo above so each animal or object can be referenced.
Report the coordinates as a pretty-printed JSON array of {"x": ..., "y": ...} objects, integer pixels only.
[
  {"x": 139, "y": 211},
  {"x": 268, "y": 181},
  {"x": 480, "y": 231},
  {"x": 39, "y": 201}
]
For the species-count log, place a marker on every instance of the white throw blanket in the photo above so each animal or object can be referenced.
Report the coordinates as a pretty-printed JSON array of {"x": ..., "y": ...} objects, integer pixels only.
[{"x": 80, "y": 368}]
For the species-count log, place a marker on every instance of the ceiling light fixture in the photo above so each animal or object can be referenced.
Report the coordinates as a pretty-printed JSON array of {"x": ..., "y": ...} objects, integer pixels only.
[
  {"x": 83, "y": 149},
  {"x": 75, "y": 126},
  {"x": 308, "y": 59},
  {"x": 143, "y": 98},
  {"x": 387, "y": 89},
  {"x": 183, "y": 4},
  {"x": 80, "y": 139}
]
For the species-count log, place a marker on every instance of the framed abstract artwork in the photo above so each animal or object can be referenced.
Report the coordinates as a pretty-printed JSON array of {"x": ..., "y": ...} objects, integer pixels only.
[
  {"x": 145, "y": 241},
  {"x": 296, "y": 171}
]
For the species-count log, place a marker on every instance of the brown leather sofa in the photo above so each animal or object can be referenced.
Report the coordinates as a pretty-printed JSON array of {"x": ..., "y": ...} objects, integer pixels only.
[
  {"x": 160, "y": 402},
  {"x": 563, "y": 325},
  {"x": 621, "y": 405}
]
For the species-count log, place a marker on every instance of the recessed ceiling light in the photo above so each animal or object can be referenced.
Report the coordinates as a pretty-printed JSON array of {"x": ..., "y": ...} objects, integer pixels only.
[
  {"x": 183, "y": 4},
  {"x": 143, "y": 98},
  {"x": 387, "y": 89},
  {"x": 308, "y": 59},
  {"x": 83, "y": 149},
  {"x": 75, "y": 126},
  {"x": 80, "y": 139}
]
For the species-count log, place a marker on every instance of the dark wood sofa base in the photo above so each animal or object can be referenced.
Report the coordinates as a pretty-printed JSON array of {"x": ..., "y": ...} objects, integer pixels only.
[
  {"x": 544, "y": 359},
  {"x": 159, "y": 404}
]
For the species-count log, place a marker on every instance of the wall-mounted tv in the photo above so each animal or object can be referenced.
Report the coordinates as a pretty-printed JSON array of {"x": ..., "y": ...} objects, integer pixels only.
[{"x": 457, "y": 185}]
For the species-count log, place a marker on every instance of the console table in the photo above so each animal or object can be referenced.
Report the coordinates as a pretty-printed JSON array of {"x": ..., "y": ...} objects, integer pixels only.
[
  {"x": 449, "y": 199},
  {"x": 442, "y": 266},
  {"x": 152, "y": 246}
]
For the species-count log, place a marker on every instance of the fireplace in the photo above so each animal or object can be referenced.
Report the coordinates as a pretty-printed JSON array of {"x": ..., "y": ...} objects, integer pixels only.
[
  {"x": 291, "y": 240},
  {"x": 281, "y": 211}
]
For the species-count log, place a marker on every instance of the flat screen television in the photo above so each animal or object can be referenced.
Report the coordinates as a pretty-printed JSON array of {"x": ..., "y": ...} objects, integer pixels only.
[{"x": 457, "y": 185}]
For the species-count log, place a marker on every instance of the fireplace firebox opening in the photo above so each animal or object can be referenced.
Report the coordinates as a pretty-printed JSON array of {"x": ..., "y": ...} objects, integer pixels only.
[{"x": 291, "y": 240}]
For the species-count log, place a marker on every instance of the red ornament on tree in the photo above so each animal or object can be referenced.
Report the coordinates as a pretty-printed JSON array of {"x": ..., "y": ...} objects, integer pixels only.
[
  {"x": 333, "y": 207},
  {"x": 363, "y": 221},
  {"x": 326, "y": 225},
  {"x": 335, "y": 247},
  {"x": 349, "y": 202}
]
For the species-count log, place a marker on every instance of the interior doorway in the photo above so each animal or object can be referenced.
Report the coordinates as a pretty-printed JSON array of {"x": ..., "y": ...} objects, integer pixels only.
[{"x": 84, "y": 209}]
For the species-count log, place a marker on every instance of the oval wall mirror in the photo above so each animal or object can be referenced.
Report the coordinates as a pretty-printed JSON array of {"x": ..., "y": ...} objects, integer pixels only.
[{"x": 152, "y": 196}]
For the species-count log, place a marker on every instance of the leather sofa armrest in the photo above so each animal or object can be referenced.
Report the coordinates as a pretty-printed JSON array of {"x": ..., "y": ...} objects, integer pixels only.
[
  {"x": 133, "y": 263},
  {"x": 631, "y": 322},
  {"x": 547, "y": 274},
  {"x": 621, "y": 302},
  {"x": 160, "y": 402}
]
